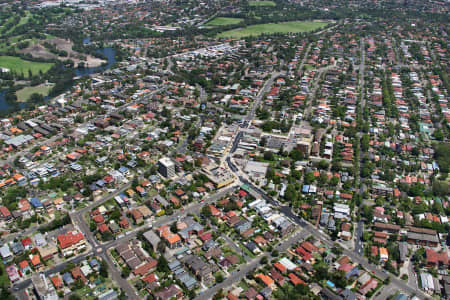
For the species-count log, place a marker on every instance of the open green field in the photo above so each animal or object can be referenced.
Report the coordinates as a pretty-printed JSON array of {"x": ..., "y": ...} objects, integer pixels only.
[
  {"x": 287, "y": 27},
  {"x": 26, "y": 92},
  {"x": 19, "y": 65},
  {"x": 220, "y": 21},
  {"x": 261, "y": 3}
]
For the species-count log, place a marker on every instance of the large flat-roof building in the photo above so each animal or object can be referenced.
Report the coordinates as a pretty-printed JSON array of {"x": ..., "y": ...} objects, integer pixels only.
[
  {"x": 166, "y": 167},
  {"x": 219, "y": 176},
  {"x": 44, "y": 289}
]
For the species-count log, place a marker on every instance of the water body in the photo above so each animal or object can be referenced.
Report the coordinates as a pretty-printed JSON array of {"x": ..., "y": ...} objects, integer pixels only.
[
  {"x": 108, "y": 52},
  {"x": 5, "y": 105}
]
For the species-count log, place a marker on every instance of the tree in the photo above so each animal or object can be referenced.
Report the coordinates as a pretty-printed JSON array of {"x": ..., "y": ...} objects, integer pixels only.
[
  {"x": 263, "y": 142},
  {"x": 206, "y": 211},
  {"x": 442, "y": 156},
  {"x": 323, "y": 178},
  {"x": 268, "y": 155},
  {"x": 173, "y": 227},
  {"x": 5, "y": 294},
  {"x": 218, "y": 295},
  {"x": 366, "y": 236},
  {"x": 92, "y": 226},
  {"x": 103, "y": 269},
  {"x": 126, "y": 272},
  {"x": 438, "y": 135},
  {"x": 161, "y": 248},
  {"x": 290, "y": 193},
  {"x": 115, "y": 215},
  {"x": 264, "y": 260},
  {"x": 323, "y": 164},
  {"x": 107, "y": 236},
  {"x": 368, "y": 213},
  {"x": 296, "y": 155},
  {"x": 309, "y": 178},
  {"x": 36, "y": 98},
  {"x": 339, "y": 279},
  {"x": 163, "y": 265},
  {"x": 321, "y": 271},
  {"x": 334, "y": 181},
  {"x": 440, "y": 188},
  {"x": 134, "y": 183},
  {"x": 219, "y": 277}
]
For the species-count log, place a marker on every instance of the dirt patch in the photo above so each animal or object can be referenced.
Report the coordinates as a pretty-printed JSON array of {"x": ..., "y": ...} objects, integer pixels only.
[{"x": 39, "y": 51}]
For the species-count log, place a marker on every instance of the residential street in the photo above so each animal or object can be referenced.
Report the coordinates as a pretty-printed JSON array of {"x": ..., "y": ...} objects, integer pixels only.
[
  {"x": 102, "y": 248},
  {"x": 251, "y": 265}
]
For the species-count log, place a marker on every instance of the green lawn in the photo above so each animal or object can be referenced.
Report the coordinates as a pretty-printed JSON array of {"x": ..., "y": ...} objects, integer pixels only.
[
  {"x": 19, "y": 65},
  {"x": 220, "y": 21},
  {"x": 25, "y": 93},
  {"x": 287, "y": 27},
  {"x": 261, "y": 3},
  {"x": 23, "y": 20}
]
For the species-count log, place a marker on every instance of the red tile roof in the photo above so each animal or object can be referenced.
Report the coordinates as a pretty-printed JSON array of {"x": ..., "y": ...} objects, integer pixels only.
[
  {"x": 280, "y": 267},
  {"x": 295, "y": 280},
  {"x": 5, "y": 212},
  {"x": 69, "y": 239},
  {"x": 57, "y": 282},
  {"x": 435, "y": 258}
]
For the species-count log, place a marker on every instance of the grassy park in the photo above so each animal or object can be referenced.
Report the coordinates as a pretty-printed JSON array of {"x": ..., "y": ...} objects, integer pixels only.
[
  {"x": 221, "y": 21},
  {"x": 19, "y": 65},
  {"x": 25, "y": 93},
  {"x": 261, "y": 3},
  {"x": 286, "y": 27}
]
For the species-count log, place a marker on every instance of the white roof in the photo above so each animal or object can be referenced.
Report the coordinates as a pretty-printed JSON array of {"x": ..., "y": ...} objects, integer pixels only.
[
  {"x": 5, "y": 251},
  {"x": 288, "y": 264},
  {"x": 86, "y": 270}
]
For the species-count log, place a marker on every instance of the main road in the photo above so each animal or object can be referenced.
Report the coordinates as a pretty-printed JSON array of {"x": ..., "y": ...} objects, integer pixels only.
[
  {"x": 359, "y": 245},
  {"x": 265, "y": 88}
]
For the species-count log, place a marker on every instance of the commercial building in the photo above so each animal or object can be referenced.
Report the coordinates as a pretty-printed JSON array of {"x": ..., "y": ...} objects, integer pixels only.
[
  {"x": 166, "y": 167},
  {"x": 71, "y": 243},
  {"x": 219, "y": 176}
]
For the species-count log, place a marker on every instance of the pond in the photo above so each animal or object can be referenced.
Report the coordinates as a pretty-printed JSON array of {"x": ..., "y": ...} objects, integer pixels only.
[{"x": 109, "y": 53}]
